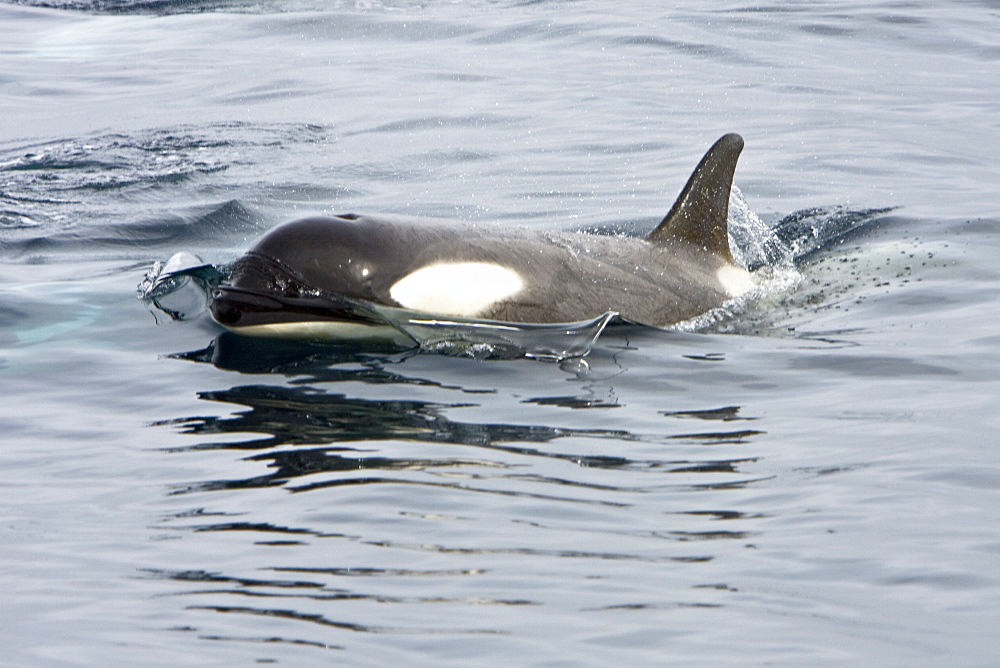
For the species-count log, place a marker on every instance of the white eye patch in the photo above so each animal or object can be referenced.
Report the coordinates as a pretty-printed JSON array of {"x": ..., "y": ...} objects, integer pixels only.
[{"x": 464, "y": 289}]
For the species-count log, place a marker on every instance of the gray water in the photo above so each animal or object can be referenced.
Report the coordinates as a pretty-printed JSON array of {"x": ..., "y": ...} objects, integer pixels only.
[{"x": 811, "y": 478}]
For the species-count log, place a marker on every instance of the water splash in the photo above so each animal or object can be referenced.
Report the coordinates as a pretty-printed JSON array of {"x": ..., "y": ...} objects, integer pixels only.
[
  {"x": 753, "y": 243},
  {"x": 490, "y": 339},
  {"x": 181, "y": 287}
]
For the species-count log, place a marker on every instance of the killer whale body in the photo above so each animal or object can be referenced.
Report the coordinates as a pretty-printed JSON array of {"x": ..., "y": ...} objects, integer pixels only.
[{"x": 311, "y": 278}]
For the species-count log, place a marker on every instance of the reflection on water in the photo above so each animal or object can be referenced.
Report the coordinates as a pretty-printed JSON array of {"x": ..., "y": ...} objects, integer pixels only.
[
  {"x": 304, "y": 416},
  {"x": 310, "y": 415},
  {"x": 370, "y": 509},
  {"x": 724, "y": 414}
]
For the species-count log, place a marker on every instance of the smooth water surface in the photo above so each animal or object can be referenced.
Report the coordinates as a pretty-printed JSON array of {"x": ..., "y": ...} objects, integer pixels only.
[{"x": 811, "y": 478}]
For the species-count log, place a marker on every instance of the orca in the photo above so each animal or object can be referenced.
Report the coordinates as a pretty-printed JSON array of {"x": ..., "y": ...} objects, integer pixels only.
[{"x": 317, "y": 278}]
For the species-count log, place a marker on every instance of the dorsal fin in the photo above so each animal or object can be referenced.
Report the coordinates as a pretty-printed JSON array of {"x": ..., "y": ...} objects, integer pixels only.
[{"x": 701, "y": 213}]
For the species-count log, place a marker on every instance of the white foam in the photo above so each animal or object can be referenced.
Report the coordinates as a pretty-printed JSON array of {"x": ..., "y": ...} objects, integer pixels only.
[{"x": 462, "y": 289}]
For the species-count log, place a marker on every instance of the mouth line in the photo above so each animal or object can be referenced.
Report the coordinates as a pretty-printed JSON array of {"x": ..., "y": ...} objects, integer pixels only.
[{"x": 236, "y": 307}]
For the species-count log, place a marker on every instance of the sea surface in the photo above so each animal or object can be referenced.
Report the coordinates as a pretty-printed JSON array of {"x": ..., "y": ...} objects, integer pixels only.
[{"x": 809, "y": 478}]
